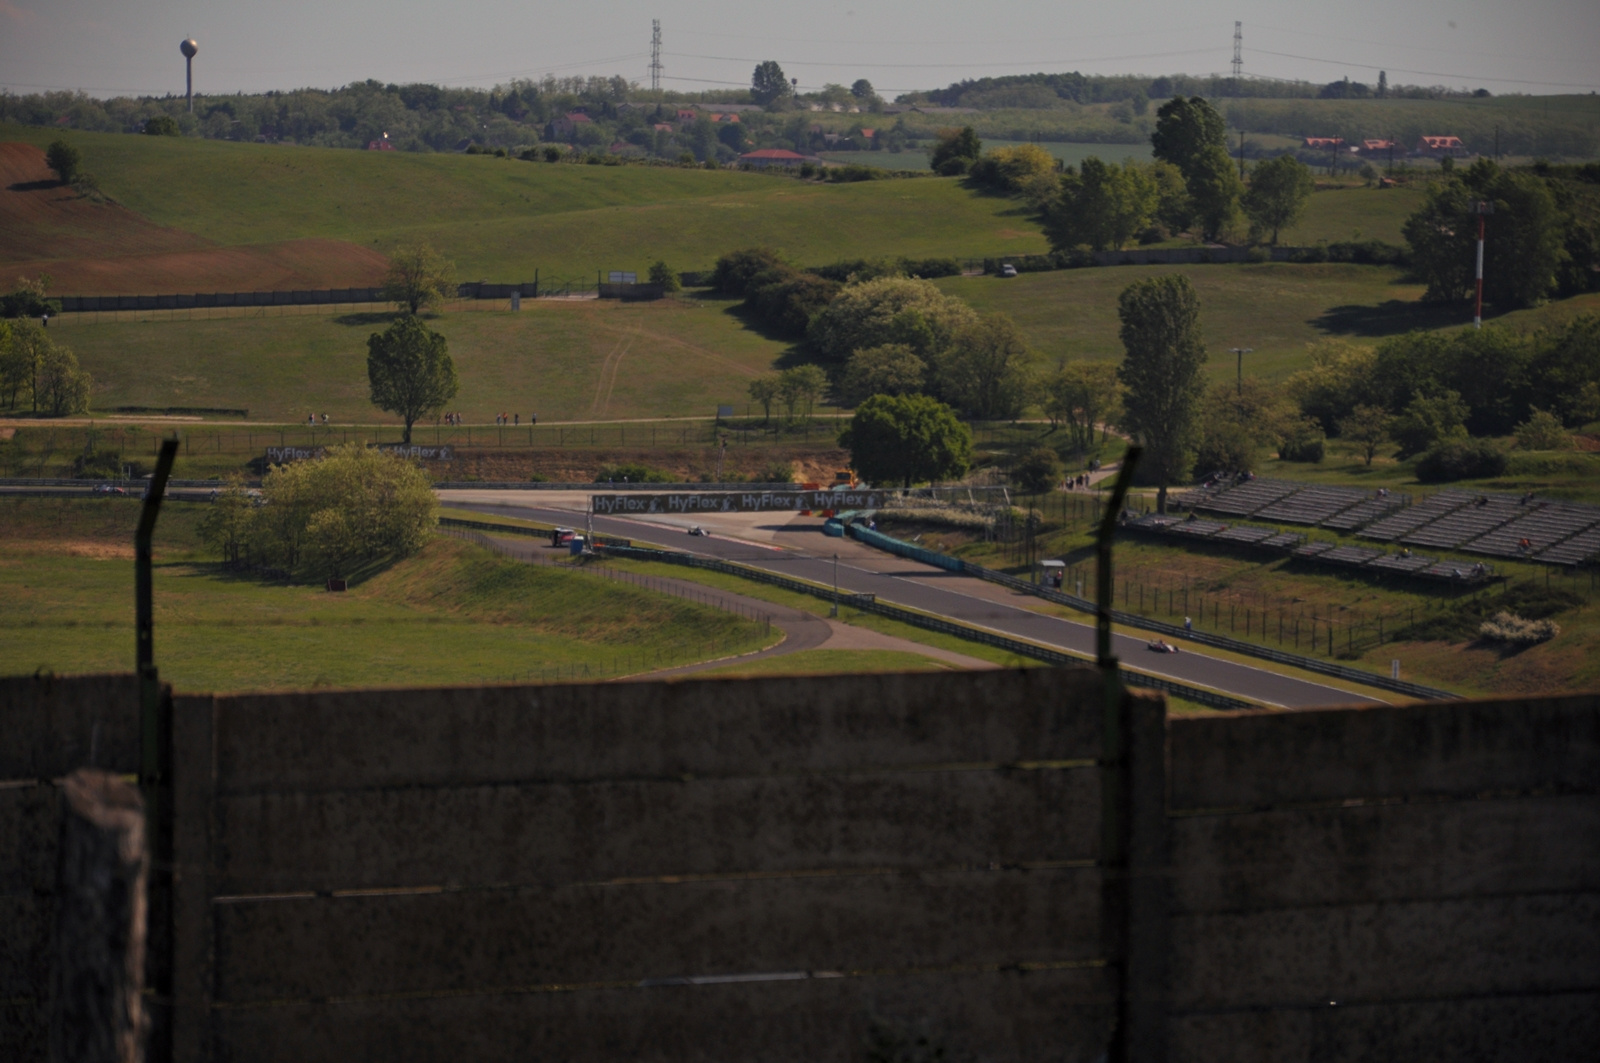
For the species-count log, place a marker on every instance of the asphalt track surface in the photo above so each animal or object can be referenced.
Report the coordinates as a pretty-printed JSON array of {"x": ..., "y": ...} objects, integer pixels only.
[{"x": 931, "y": 590}]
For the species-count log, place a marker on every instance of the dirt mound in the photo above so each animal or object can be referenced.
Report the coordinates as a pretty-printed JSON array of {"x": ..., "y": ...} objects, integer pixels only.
[
  {"x": 40, "y": 218},
  {"x": 91, "y": 248},
  {"x": 286, "y": 266}
]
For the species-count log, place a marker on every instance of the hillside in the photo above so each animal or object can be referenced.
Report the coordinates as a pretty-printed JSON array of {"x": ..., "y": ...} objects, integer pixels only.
[{"x": 497, "y": 218}]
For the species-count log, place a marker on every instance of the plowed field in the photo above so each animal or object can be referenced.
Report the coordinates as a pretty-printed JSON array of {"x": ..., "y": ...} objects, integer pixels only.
[{"x": 92, "y": 248}]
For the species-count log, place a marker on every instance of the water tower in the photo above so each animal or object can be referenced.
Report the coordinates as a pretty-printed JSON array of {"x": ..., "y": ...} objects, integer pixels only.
[{"x": 188, "y": 48}]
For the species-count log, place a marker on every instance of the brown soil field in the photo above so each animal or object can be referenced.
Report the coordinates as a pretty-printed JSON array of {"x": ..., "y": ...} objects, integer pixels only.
[{"x": 100, "y": 248}]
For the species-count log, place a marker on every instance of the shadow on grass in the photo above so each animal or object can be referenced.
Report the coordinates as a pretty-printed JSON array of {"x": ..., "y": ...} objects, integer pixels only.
[
  {"x": 34, "y": 186},
  {"x": 1389, "y": 318},
  {"x": 261, "y": 576},
  {"x": 368, "y": 318}
]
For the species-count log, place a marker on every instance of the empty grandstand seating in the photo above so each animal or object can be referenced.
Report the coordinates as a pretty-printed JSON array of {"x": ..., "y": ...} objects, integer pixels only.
[
  {"x": 1478, "y": 517},
  {"x": 1579, "y": 548},
  {"x": 1412, "y": 517},
  {"x": 1284, "y": 541},
  {"x": 1312, "y": 505},
  {"x": 1246, "y": 533},
  {"x": 1458, "y": 572},
  {"x": 1246, "y": 498},
  {"x": 1402, "y": 563},
  {"x": 1312, "y": 550},
  {"x": 1350, "y": 555},
  {"x": 1542, "y": 525},
  {"x": 1200, "y": 529},
  {"x": 1365, "y": 512}
]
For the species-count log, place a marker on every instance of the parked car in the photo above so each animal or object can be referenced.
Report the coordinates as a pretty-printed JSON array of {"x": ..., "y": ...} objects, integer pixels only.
[{"x": 1008, "y": 270}]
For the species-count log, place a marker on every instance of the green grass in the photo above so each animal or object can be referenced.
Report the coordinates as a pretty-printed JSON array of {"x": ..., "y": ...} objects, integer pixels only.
[
  {"x": 1274, "y": 308},
  {"x": 1072, "y": 154},
  {"x": 831, "y": 662},
  {"x": 563, "y": 361},
  {"x": 502, "y": 219},
  {"x": 1354, "y": 213},
  {"x": 452, "y": 614}
]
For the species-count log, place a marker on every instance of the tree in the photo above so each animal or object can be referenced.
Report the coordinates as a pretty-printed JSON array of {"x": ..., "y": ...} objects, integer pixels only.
[
  {"x": 419, "y": 277},
  {"x": 20, "y": 361},
  {"x": 1430, "y": 418},
  {"x": 1339, "y": 379},
  {"x": 1368, "y": 428},
  {"x": 764, "y": 390},
  {"x": 1161, "y": 372},
  {"x": 889, "y": 310},
  {"x": 226, "y": 526},
  {"x": 60, "y": 387},
  {"x": 1240, "y": 423},
  {"x": 409, "y": 368},
  {"x": 1102, "y": 206},
  {"x": 768, "y": 83},
  {"x": 1015, "y": 170},
  {"x": 161, "y": 125},
  {"x": 902, "y": 439},
  {"x": 862, "y": 89},
  {"x": 1037, "y": 471},
  {"x": 889, "y": 369},
  {"x": 736, "y": 269},
  {"x": 1083, "y": 394},
  {"x": 800, "y": 387},
  {"x": 666, "y": 276},
  {"x": 354, "y": 504},
  {"x": 1192, "y": 135},
  {"x": 985, "y": 370},
  {"x": 64, "y": 159},
  {"x": 954, "y": 151},
  {"x": 1279, "y": 191},
  {"x": 1543, "y": 430}
]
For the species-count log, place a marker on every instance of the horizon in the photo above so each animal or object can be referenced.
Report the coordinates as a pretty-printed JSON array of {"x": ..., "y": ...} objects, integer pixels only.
[{"x": 105, "y": 50}]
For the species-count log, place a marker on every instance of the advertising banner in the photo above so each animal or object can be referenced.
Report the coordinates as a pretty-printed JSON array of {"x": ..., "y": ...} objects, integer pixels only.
[{"x": 689, "y": 503}]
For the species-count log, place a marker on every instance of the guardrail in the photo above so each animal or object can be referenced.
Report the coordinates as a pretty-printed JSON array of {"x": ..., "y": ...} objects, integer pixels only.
[
  {"x": 512, "y": 529},
  {"x": 604, "y": 488},
  {"x": 1250, "y": 649},
  {"x": 868, "y": 603}
]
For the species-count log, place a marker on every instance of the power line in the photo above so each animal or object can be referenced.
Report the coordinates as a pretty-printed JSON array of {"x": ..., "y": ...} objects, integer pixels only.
[
  {"x": 1430, "y": 73},
  {"x": 952, "y": 66}
]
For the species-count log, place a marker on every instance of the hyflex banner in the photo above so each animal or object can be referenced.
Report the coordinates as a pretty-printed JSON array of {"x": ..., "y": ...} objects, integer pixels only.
[{"x": 689, "y": 503}]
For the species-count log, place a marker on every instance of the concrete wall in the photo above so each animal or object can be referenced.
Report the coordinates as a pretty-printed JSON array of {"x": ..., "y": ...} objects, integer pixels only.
[{"x": 785, "y": 868}]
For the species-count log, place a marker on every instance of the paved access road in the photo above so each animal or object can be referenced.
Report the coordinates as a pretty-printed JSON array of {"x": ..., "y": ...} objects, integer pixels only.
[{"x": 799, "y": 549}]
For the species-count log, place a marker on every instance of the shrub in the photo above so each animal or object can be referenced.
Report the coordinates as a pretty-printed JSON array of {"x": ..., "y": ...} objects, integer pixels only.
[
  {"x": 776, "y": 472},
  {"x": 1513, "y": 630},
  {"x": 633, "y": 473},
  {"x": 787, "y": 299},
  {"x": 97, "y": 465},
  {"x": 1309, "y": 448},
  {"x": 1543, "y": 430},
  {"x": 928, "y": 268},
  {"x": 162, "y": 125},
  {"x": 737, "y": 269},
  {"x": 853, "y": 172},
  {"x": 552, "y": 154},
  {"x": 1037, "y": 471},
  {"x": 666, "y": 276},
  {"x": 1461, "y": 459}
]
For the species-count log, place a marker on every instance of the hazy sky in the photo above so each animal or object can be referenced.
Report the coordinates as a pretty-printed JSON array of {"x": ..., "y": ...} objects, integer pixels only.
[{"x": 111, "y": 47}]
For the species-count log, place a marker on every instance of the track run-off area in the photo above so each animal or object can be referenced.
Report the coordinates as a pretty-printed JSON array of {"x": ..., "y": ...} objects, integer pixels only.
[{"x": 796, "y": 547}]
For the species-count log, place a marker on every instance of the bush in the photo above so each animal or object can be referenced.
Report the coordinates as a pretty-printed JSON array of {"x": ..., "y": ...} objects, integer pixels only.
[
  {"x": 97, "y": 465},
  {"x": 1543, "y": 430},
  {"x": 853, "y": 172},
  {"x": 1310, "y": 449},
  {"x": 1462, "y": 619},
  {"x": 666, "y": 276},
  {"x": 162, "y": 125},
  {"x": 633, "y": 473},
  {"x": 1513, "y": 630},
  {"x": 787, "y": 299},
  {"x": 1368, "y": 253},
  {"x": 552, "y": 154},
  {"x": 776, "y": 472},
  {"x": 1037, "y": 471},
  {"x": 737, "y": 269},
  {"x": 1461, "y": 459}
]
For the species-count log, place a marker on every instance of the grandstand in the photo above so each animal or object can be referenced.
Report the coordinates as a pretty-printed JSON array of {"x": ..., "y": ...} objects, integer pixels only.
[
  {"x": 1557, "y": 533},
  {"x": 1478, "y": 517},
  {"x": 1547, "y": 525},
  {"x": 1406, "y": 563},
  {"x": 1412, "y": 517},
  {"x": 1287, "y": 502}
]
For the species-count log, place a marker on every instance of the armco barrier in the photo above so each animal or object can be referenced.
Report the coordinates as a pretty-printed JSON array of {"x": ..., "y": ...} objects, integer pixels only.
[
  {"x": 511, "y": 529},
  {"x": 868, "y": 603},
  {"x": 1222, "y": 642}
]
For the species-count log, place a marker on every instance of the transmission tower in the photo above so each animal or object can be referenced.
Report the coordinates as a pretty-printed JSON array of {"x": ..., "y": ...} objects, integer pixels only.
[
  {"x": 655, "y": 55},
  {"x": 1238, "y": 53}
]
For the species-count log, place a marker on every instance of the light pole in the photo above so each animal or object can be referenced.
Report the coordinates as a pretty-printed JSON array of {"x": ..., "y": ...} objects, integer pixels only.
[
  {"x": 1482, "y": 208},
  {"x": 835, "y": 610},
  {"x": 1241, "y": 352}
]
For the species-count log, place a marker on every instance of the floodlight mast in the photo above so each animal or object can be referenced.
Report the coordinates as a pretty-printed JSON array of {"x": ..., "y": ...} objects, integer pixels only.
[{"x": 1482, "y": 208}]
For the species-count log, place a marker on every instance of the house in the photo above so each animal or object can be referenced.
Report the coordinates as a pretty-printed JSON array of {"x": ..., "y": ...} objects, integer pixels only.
[
  {"x": 687, "y": 117},
  {"x": 1441, "y": 146},
  {"x": 1322, "y": 143},
  {"x": 766, "y": 157},
  {"x": 664, "y": 127},
  {"x": 725, "y": 119},
  {"x": 568, "y": 124},
  {"x": 1378, "y": 147}
]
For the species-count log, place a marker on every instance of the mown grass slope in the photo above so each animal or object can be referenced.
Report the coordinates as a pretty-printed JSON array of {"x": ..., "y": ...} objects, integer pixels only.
[
  {"x": 452, "y": 614},
  {"x": 502, "y": 219}
]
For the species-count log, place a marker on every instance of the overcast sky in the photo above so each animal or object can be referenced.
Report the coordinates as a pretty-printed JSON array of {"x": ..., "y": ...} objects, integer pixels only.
[{"x": 114, "y": 47}]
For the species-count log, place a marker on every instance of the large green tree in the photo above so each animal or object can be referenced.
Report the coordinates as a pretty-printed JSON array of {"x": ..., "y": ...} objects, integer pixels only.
[
  {"x": 60, "y": 387},
  {"x": 985, "y": 371},
  {"x": 1102, "y": 206},
  {"x": 64, "y": 159},
  {"x": 1278, "y": 193},
  {"x": 906, "y": 439},
  {"x": 1192, "y": 135},
  {"x": 768, "y": 83},
  {"x": 1083, "y": 395},
  {"x": 954, "y": 151},
  {"x": 410, "y": 371},
  {"x": 419, "y": 277},
  {"x": 1161, "y": 372},
  {"x": 889, "y": 310},
  {"x": 890, "y": 369},
  {"x": 1525, "y": 238}
]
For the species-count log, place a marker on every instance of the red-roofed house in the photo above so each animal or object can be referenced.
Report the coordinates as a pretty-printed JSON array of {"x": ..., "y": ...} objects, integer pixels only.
[
  {"x": 1441, "y": 146},
  {"x": 1375, "y": 147},
  {"x": 774, "y": 157},
  {"x": 562, "y": 128},
  {"x": 1322, "y": 143}
]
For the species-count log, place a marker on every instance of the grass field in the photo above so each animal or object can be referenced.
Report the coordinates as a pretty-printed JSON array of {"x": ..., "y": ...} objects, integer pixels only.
[
  {"x": 452, "y": 614},
  {"x": 502, "y": 219},
  {"x": 831, "y": 662},
  {"x": 1273, "y": 308}
]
